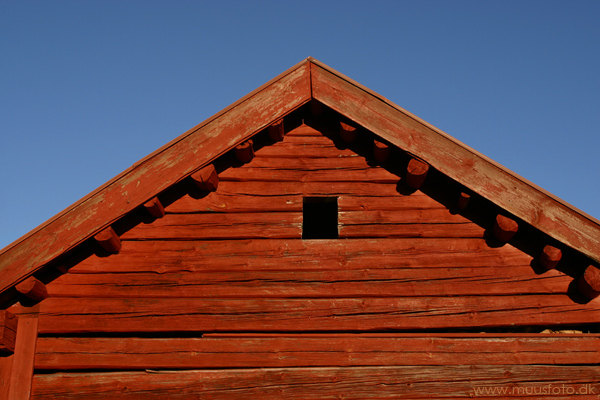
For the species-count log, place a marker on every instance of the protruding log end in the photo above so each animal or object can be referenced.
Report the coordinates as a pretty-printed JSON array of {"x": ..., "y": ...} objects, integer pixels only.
[
  {"x": 463, "y": 201},
  {"x": 109, "y": 240},
  {"x": 207, "y": 178},
  {"x": 8, "y": 332},
  {"x": 505, "y": 228},
  {"x": 33, "y": 289},
  {"x": 550, "y": 257},
  {"x": 276, "y": 131},
  {"x": 244, "y": 152},
  {"x": 416, "y": 172},
  {"x": 381, "y": 151},
  {"x": 155, "y": 208},
  {"x": 348, "y": 133},
  {"x": 589, "y": 282}
]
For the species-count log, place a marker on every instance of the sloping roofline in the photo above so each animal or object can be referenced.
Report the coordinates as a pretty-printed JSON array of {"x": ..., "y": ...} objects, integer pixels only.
[{"x": 307, "y": 80}]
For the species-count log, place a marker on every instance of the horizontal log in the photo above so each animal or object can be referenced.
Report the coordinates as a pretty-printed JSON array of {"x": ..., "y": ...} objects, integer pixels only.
[
  {"x": 333, "y": 351},
  {"x": 109, "y": 240},
  {"x": 33, "y": 289},
  {"x": 276, "y": 131},
  {"x": 308, "y": 147},
  {"x": 220, "y": 226},
  {"x": 589, "y": 282},
  {"x": 306, "y": 173},
  {"x": 304, "y": 255},
  {"x": 416, "y": 172},
  {"x": 505, "y": 228},
  {"x": 367, "y": 282},
  {"x": 206, "y": 178},
  {"x": 155, "y": 208},
  {"x": 376, "y": 383},
  {"x": 8, "y": 332},
  {"x": 550, "y": 257},
  {"x": 71, "y": 315},
  {"x": 244, "y": 152},
  {"x": 287, "y": 196}
]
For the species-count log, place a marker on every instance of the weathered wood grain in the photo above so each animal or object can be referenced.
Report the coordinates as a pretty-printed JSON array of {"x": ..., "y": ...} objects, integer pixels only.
[
  {"x": 70, "y": 315},
  {"x": 483, "y": 176},
  {"x": 376, "y": 383},
  {"x": 220, "y": 226},
  {"x": 362, "y": 283},
  {"x": 5, "y": 371},
  {"x": 23, "y": 359},
  {"x": 172, "y": 163},
  {"x": 301, "y": 351},
  {"x": 302, "y": 255}
]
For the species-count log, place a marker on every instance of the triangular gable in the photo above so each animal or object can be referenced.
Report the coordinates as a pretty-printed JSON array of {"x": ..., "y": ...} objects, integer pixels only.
[{"x": 309, "y": 80}]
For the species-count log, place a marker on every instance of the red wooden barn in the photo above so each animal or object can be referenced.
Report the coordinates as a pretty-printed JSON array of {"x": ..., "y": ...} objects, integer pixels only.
[{"x": 311, "y": 241}]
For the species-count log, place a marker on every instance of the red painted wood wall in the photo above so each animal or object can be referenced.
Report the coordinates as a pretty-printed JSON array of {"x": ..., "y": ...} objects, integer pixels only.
[{"x": 222, "y": 298}]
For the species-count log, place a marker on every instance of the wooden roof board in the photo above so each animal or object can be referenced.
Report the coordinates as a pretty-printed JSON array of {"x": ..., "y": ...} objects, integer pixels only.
[{"x": 307, "y": 80}]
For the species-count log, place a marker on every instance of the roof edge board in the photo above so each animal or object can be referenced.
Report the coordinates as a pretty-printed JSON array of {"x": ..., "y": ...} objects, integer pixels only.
[
  {"x": 176, "y": 160},
  {"x": 555, "y": 217}
]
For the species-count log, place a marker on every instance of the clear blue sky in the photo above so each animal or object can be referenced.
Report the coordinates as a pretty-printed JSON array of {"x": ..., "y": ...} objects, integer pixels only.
[{"x": 90, "y": 87}]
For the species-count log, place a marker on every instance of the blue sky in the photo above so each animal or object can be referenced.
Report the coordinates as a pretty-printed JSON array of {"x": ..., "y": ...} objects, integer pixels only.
[{"x": 87, "y": 88}]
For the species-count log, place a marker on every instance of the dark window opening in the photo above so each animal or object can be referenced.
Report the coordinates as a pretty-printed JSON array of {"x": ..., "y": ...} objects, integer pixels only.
[{"x": 320, "y": 218}]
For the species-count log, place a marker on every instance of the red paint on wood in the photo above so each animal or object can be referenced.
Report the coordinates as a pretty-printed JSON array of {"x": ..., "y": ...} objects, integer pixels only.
[
  {"x": 22, "y": 367},
  {"x": 206, "y": 178},
  {"x": 276, "y": 131},
  {"x": 250, "y": 351},
  {"x": 244, "y": 152},
  {"x": 67, "y": 315},
  {"x": 505, "y": 228},
  {"x": 155, "y": 208},
  {"x": 381, "y": 151},
  {"x": 8, "y": 332},
  {"x": 109, "y": 240},
  {"x": 416, "y": 172},
  {"x": 348, "y": 133},
  {"x": 5, "y": 371},
  {"x": 589, "y": 282},
  {"x": 550, "y": 257},
  {"x": 374, "y": 383},
  {"x": 463, "y": 201},
  {"x": 33, "y": 289}
]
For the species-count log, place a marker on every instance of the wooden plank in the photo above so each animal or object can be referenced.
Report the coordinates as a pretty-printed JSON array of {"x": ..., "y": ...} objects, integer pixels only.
[
  {"x": 290, "y": 283},
  {"x": 287, "y": 196},
  {"x": 302, "y": 170},
  {"x": 319, "y": 148},
  {"x": 173, "y": 162},
  {"x": 414, "y": 382},
  {"x": 70, "y": 315},
  {"x": 303, "y": 255},
  {"x": 220, "y": 226},
  {"x": 23, "y": 360},
  {"x": 5, "y": 371},
  {"x": 509, "y": 191},
  {"x": 265, "y": 352}
]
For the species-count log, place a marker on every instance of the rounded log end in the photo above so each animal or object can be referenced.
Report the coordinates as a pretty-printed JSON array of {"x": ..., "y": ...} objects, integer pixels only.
[
  {"x": 505, "y": 228},
  {"x": 589, "y": 282}
]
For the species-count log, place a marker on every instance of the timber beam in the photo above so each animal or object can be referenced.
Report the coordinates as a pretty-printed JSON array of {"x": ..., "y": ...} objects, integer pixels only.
[
  {"x": 276, "y": 131},
  {"x": 550, "y": 257},
  {"x": 381, "y": 151},
  {"x": 348, "y": 133},
  {"x": 206, "y": 178},
  {"x": 8, "y": 332},
  {"x": 155, "y": 208},
  {"x": 416, "y": 172},
  {"x": 505, "y": 228},
  {"x": 589, "y": 282},
  {"x": 109, "y": 240},
  {"x": 463, "y": 201},
  {"x": 244, "y": 152},
  {"x": 33, "y": 289}
]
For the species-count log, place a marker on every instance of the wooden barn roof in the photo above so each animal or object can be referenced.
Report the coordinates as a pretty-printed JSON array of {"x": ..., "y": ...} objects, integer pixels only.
[{"x": 306, "y": 81}]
